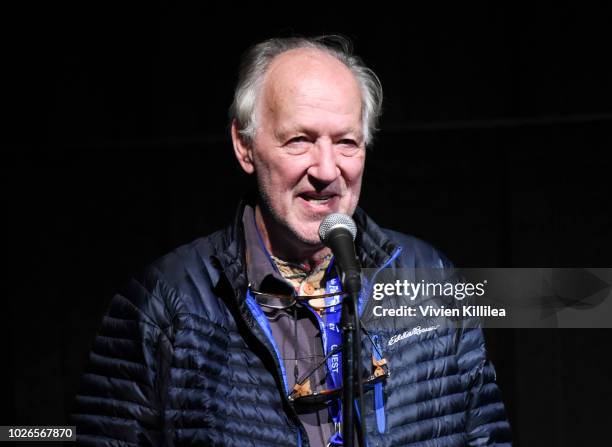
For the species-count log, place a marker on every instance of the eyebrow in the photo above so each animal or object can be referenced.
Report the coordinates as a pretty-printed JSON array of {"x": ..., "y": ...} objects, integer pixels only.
[{"x": 283, "y": 134}]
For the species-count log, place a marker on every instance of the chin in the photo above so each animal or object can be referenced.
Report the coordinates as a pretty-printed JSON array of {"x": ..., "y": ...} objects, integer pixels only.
[{"x": 309, "y": 236}]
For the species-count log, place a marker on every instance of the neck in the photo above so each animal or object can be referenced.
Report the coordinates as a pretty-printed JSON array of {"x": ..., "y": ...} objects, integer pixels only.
[{"x": 286, "y": 246}]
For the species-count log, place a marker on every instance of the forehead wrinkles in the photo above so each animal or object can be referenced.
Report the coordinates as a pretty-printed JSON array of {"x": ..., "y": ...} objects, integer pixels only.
[{"x": 308, "y": 78}]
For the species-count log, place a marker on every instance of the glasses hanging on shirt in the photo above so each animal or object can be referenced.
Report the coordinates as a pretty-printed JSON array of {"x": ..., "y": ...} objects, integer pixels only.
[
  {"x": 281, "y": 301},
  {"x": 304, "y": 394}
]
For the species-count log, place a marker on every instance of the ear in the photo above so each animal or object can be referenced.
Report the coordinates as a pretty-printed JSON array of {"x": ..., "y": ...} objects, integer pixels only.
[{"x": 243, "y": 152}]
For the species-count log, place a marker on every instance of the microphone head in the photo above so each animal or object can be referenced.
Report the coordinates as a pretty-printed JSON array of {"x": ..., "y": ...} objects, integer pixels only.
[{"x": 333, "y": 221}]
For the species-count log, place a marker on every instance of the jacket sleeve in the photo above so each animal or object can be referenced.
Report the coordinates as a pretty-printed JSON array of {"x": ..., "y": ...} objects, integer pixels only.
[
  {"x": 486, "y": 421},
  {"x": 120, "y": 401}
]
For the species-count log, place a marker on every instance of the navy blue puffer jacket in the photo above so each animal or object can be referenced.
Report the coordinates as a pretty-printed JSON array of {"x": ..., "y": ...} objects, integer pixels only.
[{"x": 181, "y": 360}]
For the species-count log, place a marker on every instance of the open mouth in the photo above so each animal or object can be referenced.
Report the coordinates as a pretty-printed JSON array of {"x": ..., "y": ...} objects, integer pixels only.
[{"x": 317, "y": 199}]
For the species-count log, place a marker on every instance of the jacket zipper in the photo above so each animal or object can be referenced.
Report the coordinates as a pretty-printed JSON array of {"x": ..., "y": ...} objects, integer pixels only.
[
  {"x": 280, "y": 368},
  {"x": 363, "y": 303},
  {"x": 379, "y": 409}
]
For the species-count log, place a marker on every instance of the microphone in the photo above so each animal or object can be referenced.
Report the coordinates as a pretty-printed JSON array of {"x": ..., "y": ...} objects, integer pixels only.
[{"x": 338, "y": 231}]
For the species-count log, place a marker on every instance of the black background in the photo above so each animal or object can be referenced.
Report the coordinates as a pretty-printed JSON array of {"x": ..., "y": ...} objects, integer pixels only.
[{"x": 493, "y": 147}]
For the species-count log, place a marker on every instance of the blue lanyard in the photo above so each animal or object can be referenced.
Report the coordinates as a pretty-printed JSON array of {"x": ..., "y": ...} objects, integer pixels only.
[{"x": 331, "y": 334}]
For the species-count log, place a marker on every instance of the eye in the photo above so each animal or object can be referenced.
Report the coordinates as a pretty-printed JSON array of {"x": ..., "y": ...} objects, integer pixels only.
[
  {"x": 298, "y": 139},
  {"x": 297, "y": 145},
  {"x": 348, "y": 146}
]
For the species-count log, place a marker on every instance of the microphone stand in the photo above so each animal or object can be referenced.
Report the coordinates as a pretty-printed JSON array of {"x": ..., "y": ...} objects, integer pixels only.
[
  {"x": 351, "y": 362},
  {"x": 338, "y": 231}
]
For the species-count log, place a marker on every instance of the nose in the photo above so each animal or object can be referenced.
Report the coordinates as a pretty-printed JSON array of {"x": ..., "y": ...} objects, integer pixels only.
[{"x": 324, "y": 164}]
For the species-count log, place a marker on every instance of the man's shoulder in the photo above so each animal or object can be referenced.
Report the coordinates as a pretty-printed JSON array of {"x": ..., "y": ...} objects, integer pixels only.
[
  {"x": 384, "y": 242},
  {"x": 188, "y": 262},
  {"x": 416, "y": 253},
  {"x": 181, "y": 281}
]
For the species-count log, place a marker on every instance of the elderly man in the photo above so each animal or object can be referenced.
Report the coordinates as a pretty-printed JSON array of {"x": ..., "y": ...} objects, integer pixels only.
[{"x": 223, "y": 341}]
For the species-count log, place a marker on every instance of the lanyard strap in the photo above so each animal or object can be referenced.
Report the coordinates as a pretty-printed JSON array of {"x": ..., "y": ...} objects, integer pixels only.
[{"x": 331, "y": 335}]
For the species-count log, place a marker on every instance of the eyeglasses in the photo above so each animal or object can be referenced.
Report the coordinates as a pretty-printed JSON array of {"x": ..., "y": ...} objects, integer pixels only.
[
  {"x": 280, "y": 301},
  {"x": 302, "y": 393}
]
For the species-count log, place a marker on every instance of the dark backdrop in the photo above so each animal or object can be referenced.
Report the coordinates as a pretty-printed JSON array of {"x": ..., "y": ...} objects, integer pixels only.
[{"x": 493, "y": 147}]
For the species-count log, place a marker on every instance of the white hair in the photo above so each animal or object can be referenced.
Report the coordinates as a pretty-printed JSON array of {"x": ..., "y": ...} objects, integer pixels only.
[{"x": 258, "y": 58}]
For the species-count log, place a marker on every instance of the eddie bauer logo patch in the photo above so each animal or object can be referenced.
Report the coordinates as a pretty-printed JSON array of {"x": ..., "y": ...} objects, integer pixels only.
[{"x": 414, "y": 331}]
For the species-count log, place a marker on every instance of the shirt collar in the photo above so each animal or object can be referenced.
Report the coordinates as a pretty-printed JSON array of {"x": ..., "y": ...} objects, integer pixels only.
[{"x": 261, "y": 269}]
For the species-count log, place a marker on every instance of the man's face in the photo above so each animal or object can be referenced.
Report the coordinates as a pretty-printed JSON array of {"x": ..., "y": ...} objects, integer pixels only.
[{"x": 309, "y": 152}]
